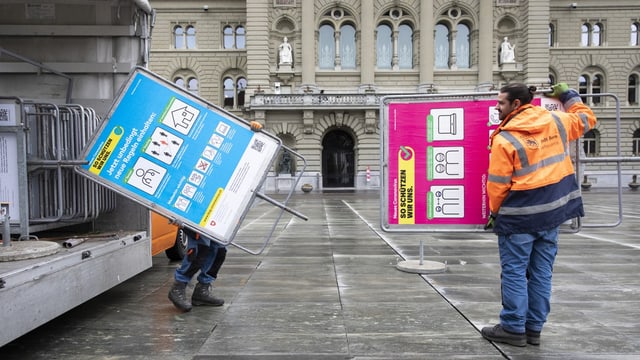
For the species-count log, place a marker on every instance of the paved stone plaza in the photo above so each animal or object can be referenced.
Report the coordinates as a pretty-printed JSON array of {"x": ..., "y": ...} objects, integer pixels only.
[{"x": 328, "y": 288}]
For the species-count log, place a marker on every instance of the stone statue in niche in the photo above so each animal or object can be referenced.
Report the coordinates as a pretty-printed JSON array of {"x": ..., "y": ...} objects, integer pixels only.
[
  {"x": 507, "y": 52},
  {"x": 285, "y": 53},
  {"x": 285, "y": 163}
]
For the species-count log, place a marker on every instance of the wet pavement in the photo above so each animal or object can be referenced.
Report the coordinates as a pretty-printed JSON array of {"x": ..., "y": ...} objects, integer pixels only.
[{"x": 328, "y": 288}]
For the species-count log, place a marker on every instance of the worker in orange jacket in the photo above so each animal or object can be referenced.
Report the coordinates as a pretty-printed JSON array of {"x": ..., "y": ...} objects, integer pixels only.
[{"x": 532, "y": 190}]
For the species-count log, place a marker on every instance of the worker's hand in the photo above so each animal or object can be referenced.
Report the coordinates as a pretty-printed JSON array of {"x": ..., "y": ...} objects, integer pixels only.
[
  {"x": 490, "y": 222},
  {"x": 256, "y": 126},
  {"x": 562, "y": 92},
  {"x": 558, "y": 90}
]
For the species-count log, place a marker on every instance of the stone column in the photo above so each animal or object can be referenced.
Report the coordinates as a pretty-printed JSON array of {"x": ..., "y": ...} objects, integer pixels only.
[
  {"x": 338, "y": 57},
  {"x": 367, "y": 45},
  {"x": 485, "y": 53},
  {"x": 427, "y": 27},
  {"x": 394, "y": 46},
  {"x": 536, "y": 63},
  {"x": 453, "y": 46},
  {"x": 258, "y": 60},
  {"x": 308, "y": 44}
]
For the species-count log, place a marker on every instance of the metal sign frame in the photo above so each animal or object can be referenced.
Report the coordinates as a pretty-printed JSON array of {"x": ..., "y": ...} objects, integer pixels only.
[
  {"x": 179, "y": 155},
  {"x": 416, "y": 184}
]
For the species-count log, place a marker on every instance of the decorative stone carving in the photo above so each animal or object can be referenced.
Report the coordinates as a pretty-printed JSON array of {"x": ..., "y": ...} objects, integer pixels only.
[
  {"x": 507, "y": 52},
  {"x": 285, "y": 53}
]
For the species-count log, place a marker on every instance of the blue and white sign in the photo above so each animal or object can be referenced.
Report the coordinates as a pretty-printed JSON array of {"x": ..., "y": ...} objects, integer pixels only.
[{"x": 179, "y": 155}]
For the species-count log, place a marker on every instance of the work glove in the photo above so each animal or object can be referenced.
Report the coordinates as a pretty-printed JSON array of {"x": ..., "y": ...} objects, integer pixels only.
[
  {"x": 562, "y": 92},
  {"x": 558, "y": 90},
  {"x": 490, "y": 223},
  {"x": 255, "y": 126}
]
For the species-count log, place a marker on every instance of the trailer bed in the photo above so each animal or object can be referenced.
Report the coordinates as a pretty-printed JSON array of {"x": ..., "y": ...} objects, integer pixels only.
[{"x": 35, "y": 291}]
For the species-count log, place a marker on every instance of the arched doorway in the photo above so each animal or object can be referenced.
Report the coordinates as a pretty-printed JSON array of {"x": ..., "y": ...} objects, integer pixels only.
[{"x": 338, "y": 160}]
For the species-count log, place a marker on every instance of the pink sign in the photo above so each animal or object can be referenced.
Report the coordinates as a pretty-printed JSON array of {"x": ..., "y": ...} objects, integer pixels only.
[{"x": 438, "y": 157}]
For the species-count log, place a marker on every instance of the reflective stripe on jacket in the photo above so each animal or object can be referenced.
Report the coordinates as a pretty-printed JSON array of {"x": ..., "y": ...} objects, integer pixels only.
[{"x": 532, "y": 184}]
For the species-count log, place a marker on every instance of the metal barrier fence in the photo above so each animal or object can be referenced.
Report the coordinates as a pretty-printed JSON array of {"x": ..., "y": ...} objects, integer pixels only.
[{"x": 49, "y": 192}]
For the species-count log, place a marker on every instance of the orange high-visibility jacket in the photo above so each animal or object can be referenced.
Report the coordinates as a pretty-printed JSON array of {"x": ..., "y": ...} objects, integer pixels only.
[{"x": 532, "y": 184}]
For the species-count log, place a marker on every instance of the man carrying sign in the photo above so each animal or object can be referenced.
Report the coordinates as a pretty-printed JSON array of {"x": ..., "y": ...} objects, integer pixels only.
[{"x": 532, "y": 190}]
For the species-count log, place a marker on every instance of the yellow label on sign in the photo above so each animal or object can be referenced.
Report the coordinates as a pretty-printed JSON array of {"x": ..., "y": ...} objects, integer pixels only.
[
  {"x": 212, "y": 205},
  {"x": 107, "y": 149},
  {"x": 406, "y": 185}
]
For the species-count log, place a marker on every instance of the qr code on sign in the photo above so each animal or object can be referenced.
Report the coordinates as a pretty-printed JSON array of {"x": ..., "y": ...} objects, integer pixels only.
[
  {"x": 4, "y": 114},
  {"x": 257, "y": 145}
]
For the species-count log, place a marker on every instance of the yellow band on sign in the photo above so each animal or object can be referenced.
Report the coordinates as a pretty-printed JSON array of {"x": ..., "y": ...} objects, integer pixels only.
[
  {"x": 107, "y": 149},
  {"x": 406, "y": 185},
  {"x": 212, "y": 205}
]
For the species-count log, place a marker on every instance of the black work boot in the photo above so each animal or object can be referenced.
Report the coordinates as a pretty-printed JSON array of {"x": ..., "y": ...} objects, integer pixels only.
[
  {"x": 202, "y": 296},
  {"x": 498, "y": 334},
  {"x": 178, "y": 296},
  {"x": 533, "y": 337}
]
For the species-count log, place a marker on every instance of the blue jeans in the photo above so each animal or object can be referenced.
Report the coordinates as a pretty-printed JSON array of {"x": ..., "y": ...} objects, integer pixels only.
[
  {"x": 206, "y": 258},
  {"x": 527, "y": 267}
]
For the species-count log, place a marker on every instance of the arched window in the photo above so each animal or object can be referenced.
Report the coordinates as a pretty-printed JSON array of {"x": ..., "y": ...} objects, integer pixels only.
[
  {"x": 553, "y": 77},
  {"x": 552, "y": 35},
  {"x": 462, "y": 46},
  {"x": 240, "y": 37},
  {"x": 233, "y": 38},
  {"x": 591, "y": 34},
  {"x": 227, "y": 37},
  {"x": 585, "y": 30},
  {"x": 192, "y": 85},
  {"x": 591, "y": 142},
  {"x": 442, "y": 47},
  {"x": 234, "y": 88},
  {"x": 384, "y": 47},
  {"x": 337, "y": 47},
  {"x": 228, "y": 91},
  {"x": 596, "y": 88},
  {"x": 191, "y": 37},
  {"x": 184, "y": 36},
  {"x": 187, "y": 80},
  {"x": 635, "y": 143},
  {"x": 596, "y": 33},
  {"x": 241, "y": 86},
  {"x": 635, "y": 34},
  {"x": 348, "y": 46},
  {"x": 632, "y": 89},
  {"x": 405, "y": 47},
  {"x": 591, "y": 83},
  {"x": 327, "y": 51},
  {"x": 178, "y": 37},
  {"x": 452, "y": 39},
  {"x": 583, "y": 83},
  {"x": 394, "y": 40}
]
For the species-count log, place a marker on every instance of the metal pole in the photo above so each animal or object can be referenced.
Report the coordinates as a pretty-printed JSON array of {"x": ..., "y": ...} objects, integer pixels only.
[
  {"x": 6, "y": 225},
  {"x": 281, "y": 206}
]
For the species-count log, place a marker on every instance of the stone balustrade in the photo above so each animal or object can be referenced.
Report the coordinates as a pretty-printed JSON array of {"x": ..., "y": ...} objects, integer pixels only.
[{"x": 316, "y": 100}]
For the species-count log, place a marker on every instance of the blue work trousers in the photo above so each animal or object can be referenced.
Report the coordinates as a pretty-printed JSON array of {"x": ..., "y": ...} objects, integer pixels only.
[
  {"x": 207, "y": 258},
  {"x": 527, "y": 267}
]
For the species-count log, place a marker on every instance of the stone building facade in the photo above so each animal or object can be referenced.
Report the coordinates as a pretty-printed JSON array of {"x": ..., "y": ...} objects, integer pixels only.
[{"x": 346, "y": 55}]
